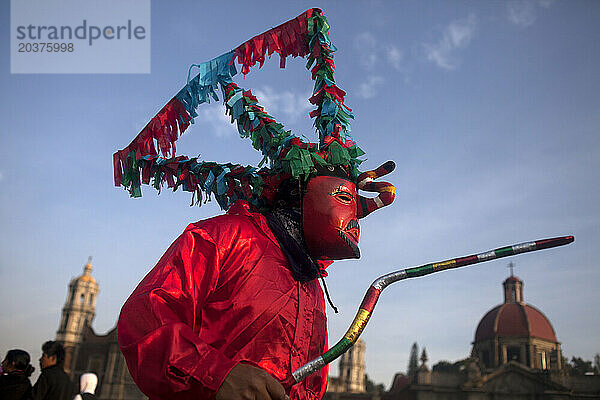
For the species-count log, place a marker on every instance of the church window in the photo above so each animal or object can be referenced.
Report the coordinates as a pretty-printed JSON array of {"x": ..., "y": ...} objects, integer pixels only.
[
  {"x": 485, "y": 358},
  {"x": 81, "y": 298},
  {"x": 551, "y": 359},
  {"x": 91, "y": 298},
  {"x": 543, "y": 360},
  {"x": 513, "y": 354}
]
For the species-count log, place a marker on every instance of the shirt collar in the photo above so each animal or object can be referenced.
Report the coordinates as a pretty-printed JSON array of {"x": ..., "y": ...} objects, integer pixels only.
[{"x": 242, "y": 207}]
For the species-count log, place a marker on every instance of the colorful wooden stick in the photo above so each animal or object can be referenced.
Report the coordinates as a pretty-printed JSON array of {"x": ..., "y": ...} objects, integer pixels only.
[{"x": 368, "y": 304}]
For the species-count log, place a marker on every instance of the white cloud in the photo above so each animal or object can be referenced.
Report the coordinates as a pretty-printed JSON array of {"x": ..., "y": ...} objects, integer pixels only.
[
  {"x": 214, "y": 115},
  {"x": 284, "y": 105},
  {"x": 457, "y": 35},
  {"x": 461, "y": 32},
  {"x": 366, "y": 45},
  {"x": 370, "y": 54},
  {"x": 370, "y": 51},
  {"x": 521, "y": 13},
  {"x": 368, "y": 90},
  {"x": 394, "y": 56}
]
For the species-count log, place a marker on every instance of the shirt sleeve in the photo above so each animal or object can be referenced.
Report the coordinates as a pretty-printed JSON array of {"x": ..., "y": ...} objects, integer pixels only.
[
  {"x": 40, "y": 389},
  {"x": 158, "y": 324}
]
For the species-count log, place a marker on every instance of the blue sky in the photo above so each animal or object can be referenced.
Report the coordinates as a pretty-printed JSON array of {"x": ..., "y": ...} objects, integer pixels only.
[{"x": 491, "y": 111}]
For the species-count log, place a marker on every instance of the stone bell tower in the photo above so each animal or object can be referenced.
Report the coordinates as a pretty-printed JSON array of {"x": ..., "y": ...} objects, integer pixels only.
[
  {"x": 77, "y": 313},
  {"x": 352, "y": 369}
]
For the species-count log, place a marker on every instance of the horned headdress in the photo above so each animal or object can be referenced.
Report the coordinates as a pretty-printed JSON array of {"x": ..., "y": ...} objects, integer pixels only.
[{"x": 151, "y": 157}]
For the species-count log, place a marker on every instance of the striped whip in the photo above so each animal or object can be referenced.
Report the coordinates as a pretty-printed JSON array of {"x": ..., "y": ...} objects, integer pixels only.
[{"x": 370, "y": 300}]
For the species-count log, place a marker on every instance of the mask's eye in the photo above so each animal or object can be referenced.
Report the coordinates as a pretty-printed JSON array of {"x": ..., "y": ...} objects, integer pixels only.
[{"x": 344, "y": 197}]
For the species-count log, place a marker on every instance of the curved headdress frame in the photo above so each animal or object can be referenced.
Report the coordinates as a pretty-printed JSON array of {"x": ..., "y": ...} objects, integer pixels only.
[{"x": 289, "y": 156}]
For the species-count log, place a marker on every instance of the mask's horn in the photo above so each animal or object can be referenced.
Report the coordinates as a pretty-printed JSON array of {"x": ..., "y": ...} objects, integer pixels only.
[{"x": 366, "y": 182}]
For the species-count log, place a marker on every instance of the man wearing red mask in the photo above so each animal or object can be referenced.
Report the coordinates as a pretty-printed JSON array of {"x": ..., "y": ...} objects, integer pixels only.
[{"x": 234, "y": 306}]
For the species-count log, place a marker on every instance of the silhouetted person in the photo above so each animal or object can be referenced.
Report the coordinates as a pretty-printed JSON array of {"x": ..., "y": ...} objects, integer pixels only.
[
  {"x": 53, "y": 383},
  {"x": 87, "y": 387},
  {"x": 14, "y": 381}
]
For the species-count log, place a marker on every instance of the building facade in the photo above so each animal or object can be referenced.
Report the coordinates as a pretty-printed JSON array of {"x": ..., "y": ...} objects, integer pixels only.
[
  {"x": 510, "y": 381},
  {"x": 78, "y": 312},
  {"x": 87, "y": 351},
  {"x": 515, "y": 355},
  {"x": 352, "y": 373}
]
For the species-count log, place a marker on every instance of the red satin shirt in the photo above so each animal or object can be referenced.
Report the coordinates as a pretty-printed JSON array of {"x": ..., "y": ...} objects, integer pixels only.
[{"x": 222, "y": 294}]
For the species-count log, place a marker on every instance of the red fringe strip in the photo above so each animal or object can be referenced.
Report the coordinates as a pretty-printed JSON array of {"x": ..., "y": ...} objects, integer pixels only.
[
  {"x": 287, "y": 39},
  {"x": 337, "y": 93},
  {"x": 162, "y": 130}
]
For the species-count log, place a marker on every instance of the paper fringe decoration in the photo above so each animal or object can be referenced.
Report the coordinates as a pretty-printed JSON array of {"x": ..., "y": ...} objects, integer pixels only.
[{"x": 151, "y": 155}]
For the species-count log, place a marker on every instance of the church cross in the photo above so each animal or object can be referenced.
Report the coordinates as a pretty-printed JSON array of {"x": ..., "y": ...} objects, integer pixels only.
[{"x": 511, "y": 266}]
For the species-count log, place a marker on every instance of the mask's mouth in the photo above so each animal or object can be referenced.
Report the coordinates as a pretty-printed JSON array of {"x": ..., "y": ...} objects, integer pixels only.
[
  {"x": 350, "y": 236},
  {"x": 352, "y": 230}
]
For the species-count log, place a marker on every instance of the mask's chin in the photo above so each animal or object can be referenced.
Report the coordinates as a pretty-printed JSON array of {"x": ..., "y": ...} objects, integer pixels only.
[
  {"x": 344, "y": 249},
  {"x": 335, "y": 243},
  {"x": 353, "y": 251}
]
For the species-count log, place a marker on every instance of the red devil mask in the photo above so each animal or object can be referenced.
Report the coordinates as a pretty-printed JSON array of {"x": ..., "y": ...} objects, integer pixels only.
[{"x": 329, "y": 218}]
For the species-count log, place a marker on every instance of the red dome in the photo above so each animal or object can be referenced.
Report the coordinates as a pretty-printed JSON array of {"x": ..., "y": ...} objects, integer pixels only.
[{"x": 515, "y": 319}]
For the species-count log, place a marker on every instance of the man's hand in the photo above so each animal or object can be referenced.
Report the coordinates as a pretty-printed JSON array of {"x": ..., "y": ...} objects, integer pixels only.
[{"x": 246, "y": 382}]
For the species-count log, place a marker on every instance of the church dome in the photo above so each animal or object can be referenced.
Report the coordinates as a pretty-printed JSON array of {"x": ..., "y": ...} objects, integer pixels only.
[
  {"x": 515, "y": 319},
  {"x": 515, "y": 331}
]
